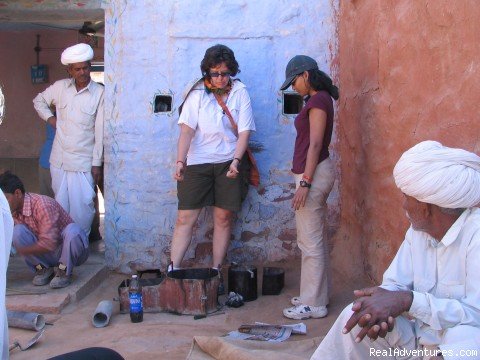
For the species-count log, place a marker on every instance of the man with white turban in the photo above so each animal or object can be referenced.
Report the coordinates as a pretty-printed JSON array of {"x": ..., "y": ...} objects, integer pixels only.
[
  {"x": 428, "y": 306},
  {"x": 77, "y": 152}
]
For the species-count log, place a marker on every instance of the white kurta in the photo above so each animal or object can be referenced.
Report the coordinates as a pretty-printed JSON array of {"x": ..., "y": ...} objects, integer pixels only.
[
  {"x": 6, "y": 231},
  {"x": 78, "y": 143},
  {"x": 444, "y": 278}
]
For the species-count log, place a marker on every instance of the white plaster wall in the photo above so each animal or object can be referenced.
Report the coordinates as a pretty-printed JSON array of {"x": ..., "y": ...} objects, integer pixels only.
[{"x": 156, "y": 47}]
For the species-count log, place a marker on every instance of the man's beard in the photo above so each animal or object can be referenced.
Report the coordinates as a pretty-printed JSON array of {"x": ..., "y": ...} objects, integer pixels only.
[{"x": 414, "y": 227}]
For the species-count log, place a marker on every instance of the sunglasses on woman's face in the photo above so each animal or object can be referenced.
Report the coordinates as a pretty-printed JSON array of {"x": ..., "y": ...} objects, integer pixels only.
[
  {"x": 222, "y": 74},
  {"x": 295, "y": 79}
]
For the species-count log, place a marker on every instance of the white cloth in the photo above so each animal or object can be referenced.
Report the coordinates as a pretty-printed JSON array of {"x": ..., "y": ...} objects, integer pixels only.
[
  {"x": 400, "y": 343},
  {"x": 74, "y": 190},
  {"x": 214, "y": 140},
  {"x": 336, "y": 346},
  {"x": 446, "y": 287},
  {"x": 6, "y": 231},
  {"x": 439, "y": 175},
  {"x": 78, "y": 143},
  {"x": 77, "y": 54}
]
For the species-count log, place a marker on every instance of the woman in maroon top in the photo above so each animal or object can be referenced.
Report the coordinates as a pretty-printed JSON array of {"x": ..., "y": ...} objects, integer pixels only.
[{"x": 314, "y": 177}]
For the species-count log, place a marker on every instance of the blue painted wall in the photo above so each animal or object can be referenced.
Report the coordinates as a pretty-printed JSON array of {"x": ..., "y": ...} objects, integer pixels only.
[{"x": 155, "y": 47}]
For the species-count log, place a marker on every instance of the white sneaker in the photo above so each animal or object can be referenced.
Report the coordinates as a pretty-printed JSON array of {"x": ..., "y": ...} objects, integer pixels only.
[
  {"x": 296, "y": 301},
  {"x": 303, "y": 312}
]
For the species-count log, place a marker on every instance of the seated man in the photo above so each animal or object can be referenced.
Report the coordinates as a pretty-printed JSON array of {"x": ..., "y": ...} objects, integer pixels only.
[
  {"x": 44, "y": 234},
  {"x": 429, "y": 299}
]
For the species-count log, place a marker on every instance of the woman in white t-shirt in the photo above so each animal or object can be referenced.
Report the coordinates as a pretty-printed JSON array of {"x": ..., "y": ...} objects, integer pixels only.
[{"x": 210, "y": 150}]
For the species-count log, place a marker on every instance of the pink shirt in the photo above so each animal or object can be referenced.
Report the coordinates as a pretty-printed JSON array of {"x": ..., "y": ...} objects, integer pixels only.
[{"x": 46, "y": 219}]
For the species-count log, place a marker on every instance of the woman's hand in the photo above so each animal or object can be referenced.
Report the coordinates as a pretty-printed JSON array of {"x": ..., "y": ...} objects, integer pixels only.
[
  {"x": 300, "y": 197},
  {"x": 233, "y": 170},
  {"x": 179, "y": 171}
]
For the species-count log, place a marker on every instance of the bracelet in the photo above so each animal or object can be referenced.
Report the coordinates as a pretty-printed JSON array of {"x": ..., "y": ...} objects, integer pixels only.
[
  {"x": 308, "y": 178},
  {"x": 239, "y": 160},
  {"x": 180, "y": 161}
]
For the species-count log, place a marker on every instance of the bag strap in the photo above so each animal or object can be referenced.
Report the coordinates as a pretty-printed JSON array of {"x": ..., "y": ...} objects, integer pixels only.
[
  {"x": 187, "y": 93},
  {"x": 227, "y": 112}
]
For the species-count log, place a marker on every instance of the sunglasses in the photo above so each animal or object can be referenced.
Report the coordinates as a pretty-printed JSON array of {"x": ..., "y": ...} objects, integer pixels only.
[
  {"x": 222, "y": 74},
  {"x": 295, "y": 78}
]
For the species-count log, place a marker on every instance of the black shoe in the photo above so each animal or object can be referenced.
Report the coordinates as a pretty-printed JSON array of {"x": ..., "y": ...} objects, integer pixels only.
[
  {"x": 61, "y": 278},
  {"x": 42, "y": 275}
]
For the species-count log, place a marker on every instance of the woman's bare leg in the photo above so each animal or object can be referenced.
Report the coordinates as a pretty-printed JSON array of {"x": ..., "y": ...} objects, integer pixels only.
[
  {"x": 222, "y": 229},
  {"x": 182, "y": 235}
]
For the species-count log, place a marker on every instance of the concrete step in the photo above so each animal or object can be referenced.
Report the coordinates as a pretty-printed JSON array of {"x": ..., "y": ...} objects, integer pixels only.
[{"x": 22, "y": 295}]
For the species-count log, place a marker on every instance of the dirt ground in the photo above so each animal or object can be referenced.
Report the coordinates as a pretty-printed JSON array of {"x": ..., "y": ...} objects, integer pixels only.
[{"x": 164, "y": 335}]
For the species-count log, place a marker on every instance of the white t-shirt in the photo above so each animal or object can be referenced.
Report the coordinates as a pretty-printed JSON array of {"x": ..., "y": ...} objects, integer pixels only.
[{"x": 214, "y": 140}]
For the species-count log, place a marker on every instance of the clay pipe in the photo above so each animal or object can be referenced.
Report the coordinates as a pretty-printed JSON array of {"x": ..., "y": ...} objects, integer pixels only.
[
  {"x": 25, "y": 320},
  {"x": 102, "y": 314}
]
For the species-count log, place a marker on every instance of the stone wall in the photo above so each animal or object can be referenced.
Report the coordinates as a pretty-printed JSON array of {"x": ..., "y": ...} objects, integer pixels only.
[{"x": 155, "y": 47}]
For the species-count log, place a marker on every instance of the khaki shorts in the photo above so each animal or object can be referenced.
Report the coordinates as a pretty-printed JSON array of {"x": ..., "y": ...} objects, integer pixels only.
[{"x": 208, "y": 185}]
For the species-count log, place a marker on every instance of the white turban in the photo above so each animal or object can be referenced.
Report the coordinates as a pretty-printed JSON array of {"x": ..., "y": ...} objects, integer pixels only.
[
  {"x": 439, "y": 175},
  {"x": 77, "y": 54}
]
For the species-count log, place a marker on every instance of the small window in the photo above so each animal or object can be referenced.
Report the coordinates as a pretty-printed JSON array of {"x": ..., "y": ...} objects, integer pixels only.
[
  {"x": 162, "y": 104},
  {"x": 292, "y": 103}
]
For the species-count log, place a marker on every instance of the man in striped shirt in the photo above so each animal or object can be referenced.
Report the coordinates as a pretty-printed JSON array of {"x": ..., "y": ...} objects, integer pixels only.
[{"x": 44, "y": 234}]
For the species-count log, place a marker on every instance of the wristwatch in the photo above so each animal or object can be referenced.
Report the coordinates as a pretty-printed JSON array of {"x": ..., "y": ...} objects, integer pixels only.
[{"x": 303, "y": 183}]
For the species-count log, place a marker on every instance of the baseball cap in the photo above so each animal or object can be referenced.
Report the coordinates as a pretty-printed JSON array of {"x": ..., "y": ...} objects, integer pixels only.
[{"x": 297, "y": 65}]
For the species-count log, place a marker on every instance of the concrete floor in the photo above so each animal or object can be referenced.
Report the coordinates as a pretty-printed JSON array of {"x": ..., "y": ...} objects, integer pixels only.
[
  {"x": 20, "y": 289},
  {"x": 163, "y": 335}
]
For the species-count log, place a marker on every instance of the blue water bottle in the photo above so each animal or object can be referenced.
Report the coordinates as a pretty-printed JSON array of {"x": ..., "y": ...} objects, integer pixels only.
[{"x": 136, "y": 303}]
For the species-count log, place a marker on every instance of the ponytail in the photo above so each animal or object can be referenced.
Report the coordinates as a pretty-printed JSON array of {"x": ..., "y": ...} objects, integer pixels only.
[{"x": 320, "y": 81}]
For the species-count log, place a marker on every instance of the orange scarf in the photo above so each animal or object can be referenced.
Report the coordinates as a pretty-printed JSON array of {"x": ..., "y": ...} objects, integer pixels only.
[{"x": 209, "y": 88}]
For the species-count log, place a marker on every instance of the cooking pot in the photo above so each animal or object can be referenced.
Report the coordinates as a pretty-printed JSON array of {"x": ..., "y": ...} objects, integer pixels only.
[
  {"x": 273, "y": 280},
  {"x": 243, "y": 280}
]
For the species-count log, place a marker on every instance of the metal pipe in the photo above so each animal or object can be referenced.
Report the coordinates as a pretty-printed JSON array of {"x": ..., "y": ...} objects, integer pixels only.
[
  {"x": 25, "y": 320},
  {"x": 102, "y": 314}
]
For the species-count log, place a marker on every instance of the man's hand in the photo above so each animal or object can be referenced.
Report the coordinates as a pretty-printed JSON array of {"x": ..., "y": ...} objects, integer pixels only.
[
  {"x": 52, "y": 120},
  {"x": 377, "y": 330},
  {"x": 97, "y": 174},
  {"x": 374, "y": 306},
  {"x": 300, "y": 198}
]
